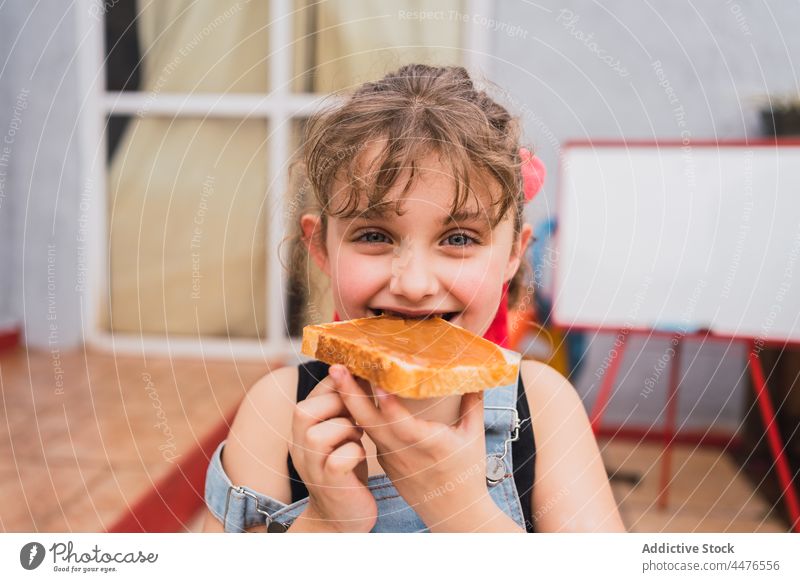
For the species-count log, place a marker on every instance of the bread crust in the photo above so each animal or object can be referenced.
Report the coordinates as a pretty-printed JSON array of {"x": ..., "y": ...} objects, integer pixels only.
[{"x": 406, "y": 379}]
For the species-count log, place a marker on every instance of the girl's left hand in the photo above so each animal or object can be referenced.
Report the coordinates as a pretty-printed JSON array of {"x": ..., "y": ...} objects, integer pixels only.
[{"x": 440, "y": 470}]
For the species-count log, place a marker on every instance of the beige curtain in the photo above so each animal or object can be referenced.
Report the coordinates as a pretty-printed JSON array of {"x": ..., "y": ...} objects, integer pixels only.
[
  {"x": 350, "y": 42},
  {"x": 361, "y": 40},
  {"x": 187, "y": 210}
]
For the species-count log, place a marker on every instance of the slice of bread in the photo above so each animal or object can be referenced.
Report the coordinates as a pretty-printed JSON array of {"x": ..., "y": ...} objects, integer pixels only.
[{"x": 413, "y": 358}]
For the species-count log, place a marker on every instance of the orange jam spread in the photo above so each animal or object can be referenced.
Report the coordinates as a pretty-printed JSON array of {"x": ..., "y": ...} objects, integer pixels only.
[{"x": 426, "y": 342}]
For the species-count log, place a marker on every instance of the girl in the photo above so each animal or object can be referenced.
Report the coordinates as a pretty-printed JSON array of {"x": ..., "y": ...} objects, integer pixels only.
[{"x": 420, "y": 184}]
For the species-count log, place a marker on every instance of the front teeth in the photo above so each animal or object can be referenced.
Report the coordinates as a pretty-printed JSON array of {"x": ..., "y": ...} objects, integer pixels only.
[{"x": 445, "y": 316}]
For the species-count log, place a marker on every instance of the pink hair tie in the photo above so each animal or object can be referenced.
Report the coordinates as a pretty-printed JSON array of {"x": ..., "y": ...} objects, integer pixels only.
[{"x": 533, "y": 174}]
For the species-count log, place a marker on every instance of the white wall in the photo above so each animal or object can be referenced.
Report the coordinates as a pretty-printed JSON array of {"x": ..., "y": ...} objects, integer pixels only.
[
  {"x": 39, "y": 217},
  {"x": 718, "y": 59},
  {"x": 9, "y": 148},
  {"x": 579, "y": 70}
]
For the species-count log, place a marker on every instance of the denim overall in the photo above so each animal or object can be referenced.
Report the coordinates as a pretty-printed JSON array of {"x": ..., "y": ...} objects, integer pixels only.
[{"x": 239, "y": 508}]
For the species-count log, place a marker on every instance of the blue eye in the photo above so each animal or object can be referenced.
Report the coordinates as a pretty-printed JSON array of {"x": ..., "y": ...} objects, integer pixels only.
[
  {"x": 370, "y": 233},
  {"x": 465, "y": 237},
  {"x": 462, "y": 239}
]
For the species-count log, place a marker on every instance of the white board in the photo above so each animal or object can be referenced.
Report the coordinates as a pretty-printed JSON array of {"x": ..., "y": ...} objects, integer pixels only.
[{"x": 680, "y": 237}]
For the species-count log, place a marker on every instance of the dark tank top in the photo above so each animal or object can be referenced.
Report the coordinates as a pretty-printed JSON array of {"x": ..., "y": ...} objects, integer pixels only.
[{"x": 523, "y": 450}]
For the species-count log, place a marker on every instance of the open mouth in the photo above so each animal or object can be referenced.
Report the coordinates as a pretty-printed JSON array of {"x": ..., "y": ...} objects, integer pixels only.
[{"x": 447, "y": 316}]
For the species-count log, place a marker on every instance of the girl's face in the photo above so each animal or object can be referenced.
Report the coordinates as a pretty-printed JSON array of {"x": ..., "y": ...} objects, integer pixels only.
[{"x": 424, "y": 260}]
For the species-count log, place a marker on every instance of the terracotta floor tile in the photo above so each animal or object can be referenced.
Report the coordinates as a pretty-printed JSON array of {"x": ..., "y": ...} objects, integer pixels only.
[
  {"x": 31, "y": 494},
  {"x": 671, "y": 522},
  {"x": 110, "y": 498},
  {"x": 707, "y": 492},
  {"x": 88, "y": 452}
]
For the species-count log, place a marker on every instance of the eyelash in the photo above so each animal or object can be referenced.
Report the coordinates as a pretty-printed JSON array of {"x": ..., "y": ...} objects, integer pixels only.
[{"x": 474, "y": 240}]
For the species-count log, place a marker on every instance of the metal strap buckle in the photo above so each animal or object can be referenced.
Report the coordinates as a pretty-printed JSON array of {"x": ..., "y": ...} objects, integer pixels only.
[
  {"x": 516, "y": 421},
  {"x": 496, "y": 465},
  {"x": 271, "y": 526}
]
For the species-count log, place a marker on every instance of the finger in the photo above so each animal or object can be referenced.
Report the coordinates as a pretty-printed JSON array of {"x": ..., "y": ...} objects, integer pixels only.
[
  {"x": 356, "y": 400},
  {"x": 324, "y": 386},
  {"x": 343, "y": 461},
  {"x": 327, "y": 436},
  {"x": 471, "y": 411},
  {"x": 324, "y": 438},
  {"x": 312, "y": 411},
  {"x": 323, "y": 407}
]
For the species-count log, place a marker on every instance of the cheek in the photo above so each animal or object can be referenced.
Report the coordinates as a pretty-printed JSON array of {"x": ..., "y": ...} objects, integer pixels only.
[
  {"x": 356, "y": 277},
  {"x": 478, "y": 281}
]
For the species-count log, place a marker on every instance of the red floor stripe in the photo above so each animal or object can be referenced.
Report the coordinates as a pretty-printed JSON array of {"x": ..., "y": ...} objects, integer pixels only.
[
  {"x": 9, "y": 338},
  {"x": 656, "y": 434}
]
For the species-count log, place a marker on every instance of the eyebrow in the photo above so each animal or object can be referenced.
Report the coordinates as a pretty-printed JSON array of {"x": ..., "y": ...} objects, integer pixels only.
[
  {"x": 464, "y": 216},
  {"x": 376, "y": 212}
]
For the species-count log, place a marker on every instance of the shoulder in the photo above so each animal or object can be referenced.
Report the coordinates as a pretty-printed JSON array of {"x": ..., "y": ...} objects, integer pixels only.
[
  {"x": 557, "y": 411},
  {"x": 558, "y": 415},
  {"x": 555, "y": 406},
  {"x": 257, "y": 445},
  {"x": 537, "y": 372},
  {"x": 275, "y": 389},
  {"x": 546, "y": 387}
]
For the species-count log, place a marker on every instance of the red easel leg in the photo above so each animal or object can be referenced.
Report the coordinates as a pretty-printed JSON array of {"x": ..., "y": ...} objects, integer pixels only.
[
  {"x": 669, "y": 422},
  {"x": 774, "y": 439},
  {"x": 603, "y": 396}
]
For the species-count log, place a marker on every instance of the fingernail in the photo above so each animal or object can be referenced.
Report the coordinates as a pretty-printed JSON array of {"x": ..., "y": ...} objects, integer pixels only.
[
  {"x": 381, "y": 393},
  {"x": 335, "y": 371}
]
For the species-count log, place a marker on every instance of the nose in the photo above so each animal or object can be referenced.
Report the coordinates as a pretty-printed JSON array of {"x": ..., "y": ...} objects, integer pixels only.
[{"x": 412, "y": 274}]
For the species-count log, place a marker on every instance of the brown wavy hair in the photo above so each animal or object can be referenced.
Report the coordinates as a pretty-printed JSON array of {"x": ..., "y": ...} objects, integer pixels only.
[{"x": 416, "y": 110}]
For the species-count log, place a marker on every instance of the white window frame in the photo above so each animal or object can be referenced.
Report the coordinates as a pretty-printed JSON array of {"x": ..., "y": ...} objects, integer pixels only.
[{"x": 279, "y": 107}]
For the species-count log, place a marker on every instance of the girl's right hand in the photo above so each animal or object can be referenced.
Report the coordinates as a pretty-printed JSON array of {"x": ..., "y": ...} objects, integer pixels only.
[{"x": 327, "y": 452}]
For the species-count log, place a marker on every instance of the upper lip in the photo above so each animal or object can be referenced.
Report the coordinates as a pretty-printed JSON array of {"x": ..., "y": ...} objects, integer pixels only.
[{"x": 410, "y": 313}]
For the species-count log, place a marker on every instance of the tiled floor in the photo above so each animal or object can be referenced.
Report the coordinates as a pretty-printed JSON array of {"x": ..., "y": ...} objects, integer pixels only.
[
  {"x": 85, "y": 437},
  {"x": 82, "y": 457},
  {"x": 707, "y": 491}
]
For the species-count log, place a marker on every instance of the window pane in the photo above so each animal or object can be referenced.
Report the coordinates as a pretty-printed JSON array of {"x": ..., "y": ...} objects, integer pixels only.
[
  {"x": 184, "y": 46},
  {"x": 187, "y": 200},
  {"x": 341, "y": 44}
]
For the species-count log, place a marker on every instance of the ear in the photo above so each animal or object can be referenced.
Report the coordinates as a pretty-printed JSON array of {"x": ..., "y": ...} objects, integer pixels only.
[
  {"x": 518, "y": 251},
  {"x": 311, "y": 225}
]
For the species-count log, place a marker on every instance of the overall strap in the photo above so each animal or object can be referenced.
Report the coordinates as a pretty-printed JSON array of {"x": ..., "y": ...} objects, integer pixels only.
[
  {"x": 501, "y": 423},
  {"x": 502, "y": 429},
  {"x": 240, "y": 508}
]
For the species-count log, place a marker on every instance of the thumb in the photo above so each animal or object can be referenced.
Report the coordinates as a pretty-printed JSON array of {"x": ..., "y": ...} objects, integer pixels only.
[{"x": 471, "y": 411}]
